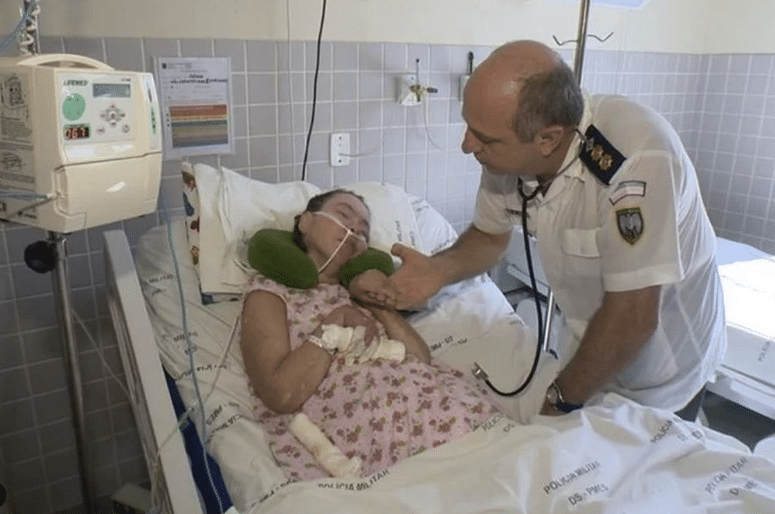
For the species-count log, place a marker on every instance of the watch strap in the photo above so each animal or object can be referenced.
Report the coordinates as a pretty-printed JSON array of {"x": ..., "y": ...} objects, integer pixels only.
[{"x": 560, "y": 404}]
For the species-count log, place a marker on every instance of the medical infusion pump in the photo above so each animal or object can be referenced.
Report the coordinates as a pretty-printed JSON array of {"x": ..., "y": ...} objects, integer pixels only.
[{"x": 80, "y": 142}]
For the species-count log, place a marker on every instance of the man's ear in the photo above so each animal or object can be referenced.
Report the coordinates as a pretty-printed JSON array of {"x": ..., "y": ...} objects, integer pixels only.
[{"x": 549, "y": 138}]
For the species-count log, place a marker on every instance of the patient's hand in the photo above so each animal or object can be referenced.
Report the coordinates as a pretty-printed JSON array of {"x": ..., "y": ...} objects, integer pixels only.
[
  {"x": 351, "y": 316},
  {"x": 374, "y": 287}
]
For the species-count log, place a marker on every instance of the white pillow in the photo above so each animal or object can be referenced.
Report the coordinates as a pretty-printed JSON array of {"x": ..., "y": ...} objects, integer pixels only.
[
  {"x": 211, "y": 236},
  {"x": 245, "y": 205}
]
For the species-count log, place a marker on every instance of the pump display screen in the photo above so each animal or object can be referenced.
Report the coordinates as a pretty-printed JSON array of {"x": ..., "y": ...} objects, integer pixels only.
[
  {"x": 77, "y": 132},
  {"x": 111, "y": 90}
]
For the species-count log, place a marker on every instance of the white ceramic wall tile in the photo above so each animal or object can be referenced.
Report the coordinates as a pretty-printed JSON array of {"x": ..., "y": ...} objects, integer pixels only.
[
  {"x": 233, "y": 49},
  {"x": 370, "y": 86},
  {"x": 345, "y": 117},
  {"x": 323, "y": 85},
  {"x": 723, "y": 106},
  {"x": 394, "y": 58},
  {"x": 124, "y": 53},
  {"x": 370, "y": 56},
  {"x": 11, "y": 354},
  {"x": 263, "y": 150},
  {"x": 156, "y": 47},
  {"x": 290, "y": 56},
  {"x": 196, "y": 48},
  {"x": 345, "y": 57},
  {"x": 322, "y": 58},
  {"x": 52, "y": 44},
  {"x": 88, "y": 47},
  {"x": 262, "y": 56}
]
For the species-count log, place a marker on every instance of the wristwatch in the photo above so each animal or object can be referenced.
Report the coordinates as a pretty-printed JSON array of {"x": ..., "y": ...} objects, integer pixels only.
[{"x": 555, "y": 399}]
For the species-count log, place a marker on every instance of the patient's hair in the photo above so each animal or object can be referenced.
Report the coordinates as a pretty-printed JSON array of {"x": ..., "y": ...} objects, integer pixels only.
[{"x": 315, "y": 204}]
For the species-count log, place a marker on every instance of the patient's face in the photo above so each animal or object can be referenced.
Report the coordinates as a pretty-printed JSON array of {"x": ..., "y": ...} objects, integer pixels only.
[{"x": 323, "y": 235}]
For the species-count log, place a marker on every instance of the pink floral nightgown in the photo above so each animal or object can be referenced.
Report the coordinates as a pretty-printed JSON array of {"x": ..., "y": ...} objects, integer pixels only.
[{"x": 381, "y": 411}]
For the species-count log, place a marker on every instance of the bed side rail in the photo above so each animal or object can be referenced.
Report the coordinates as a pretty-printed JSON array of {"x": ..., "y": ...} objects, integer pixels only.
[{"x": 151, "y": 403}]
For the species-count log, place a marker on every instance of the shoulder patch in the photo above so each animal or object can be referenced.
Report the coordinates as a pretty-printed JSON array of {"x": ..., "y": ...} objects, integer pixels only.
[{"x": 600, "y": 156}]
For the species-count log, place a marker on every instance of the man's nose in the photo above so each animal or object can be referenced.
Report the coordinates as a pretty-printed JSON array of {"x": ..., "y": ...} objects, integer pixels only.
[{"x": 470, "y": 143}]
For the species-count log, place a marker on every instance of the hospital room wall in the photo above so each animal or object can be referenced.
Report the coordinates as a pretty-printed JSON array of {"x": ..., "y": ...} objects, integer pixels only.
[
  {"x": 705, "y": 96},
  {"x": 721, "y": 101}
]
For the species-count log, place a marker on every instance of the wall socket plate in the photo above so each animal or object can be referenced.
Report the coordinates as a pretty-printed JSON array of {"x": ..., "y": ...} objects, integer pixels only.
[
  {"x": 340, "y": 149},
  {"x": 405, "y": 95}
]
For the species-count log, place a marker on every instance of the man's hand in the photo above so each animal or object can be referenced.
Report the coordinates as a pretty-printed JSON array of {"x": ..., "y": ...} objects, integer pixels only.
[
  {"x": 417, "y": 279},
  {"x": 374, "y": 287}
]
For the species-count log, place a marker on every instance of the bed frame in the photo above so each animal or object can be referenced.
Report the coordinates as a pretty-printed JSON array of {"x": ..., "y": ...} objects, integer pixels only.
[{"x": 150, "y": 399}]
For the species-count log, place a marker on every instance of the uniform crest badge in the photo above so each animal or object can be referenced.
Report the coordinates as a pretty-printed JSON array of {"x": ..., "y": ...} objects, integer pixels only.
[{"x": 630, "y": 223}]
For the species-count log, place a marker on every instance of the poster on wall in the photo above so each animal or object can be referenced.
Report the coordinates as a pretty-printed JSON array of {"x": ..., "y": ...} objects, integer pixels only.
[{"x": 196, "y": 105}]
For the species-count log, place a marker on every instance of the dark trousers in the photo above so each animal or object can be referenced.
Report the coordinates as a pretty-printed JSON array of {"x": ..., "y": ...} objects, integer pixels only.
[{"x": 692, "y": 409}]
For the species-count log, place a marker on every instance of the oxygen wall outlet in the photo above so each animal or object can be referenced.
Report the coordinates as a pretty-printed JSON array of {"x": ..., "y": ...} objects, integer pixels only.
[
  {"x": 409, "y": 89},
  {"x": 340, "y": 149}
]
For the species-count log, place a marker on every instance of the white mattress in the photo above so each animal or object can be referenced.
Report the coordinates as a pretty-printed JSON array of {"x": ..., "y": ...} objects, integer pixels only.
[
  {"x": 748, "y": 280},
  {"x": 614, "y": 457}
]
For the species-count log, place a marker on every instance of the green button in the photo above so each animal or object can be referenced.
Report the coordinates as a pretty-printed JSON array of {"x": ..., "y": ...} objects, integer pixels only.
[{"x": 73, "y": 107}]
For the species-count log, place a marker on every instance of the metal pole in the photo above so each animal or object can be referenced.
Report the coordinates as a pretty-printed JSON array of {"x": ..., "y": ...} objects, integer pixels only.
[
  {"x": 578, "y": 66},
  {"x": 70, "y": 352},
  {"x": 581, "y": 39}
]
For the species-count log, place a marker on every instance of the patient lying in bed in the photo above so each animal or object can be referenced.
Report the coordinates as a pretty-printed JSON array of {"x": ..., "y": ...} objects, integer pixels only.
[{"x": 362, "y": 375}]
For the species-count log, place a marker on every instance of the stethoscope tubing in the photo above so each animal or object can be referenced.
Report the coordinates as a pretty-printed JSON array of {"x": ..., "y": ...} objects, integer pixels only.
[{"x": 540, "y": 343}]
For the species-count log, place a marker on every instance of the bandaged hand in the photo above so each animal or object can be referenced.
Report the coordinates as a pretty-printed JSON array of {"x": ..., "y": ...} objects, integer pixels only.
[
  {"x": 351, "y": 316},
  {"x": 349, "y": 341},
  {"x": 342, "y": 339}
]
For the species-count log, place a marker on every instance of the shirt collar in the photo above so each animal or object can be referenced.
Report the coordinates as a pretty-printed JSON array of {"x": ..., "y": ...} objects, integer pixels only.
[{"x": 576, "y": 169}]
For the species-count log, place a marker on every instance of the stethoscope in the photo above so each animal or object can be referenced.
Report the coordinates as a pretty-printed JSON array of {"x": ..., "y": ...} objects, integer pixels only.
[
  {"x": 478, "y": 371},
  {"x": 526, "y": 198}
]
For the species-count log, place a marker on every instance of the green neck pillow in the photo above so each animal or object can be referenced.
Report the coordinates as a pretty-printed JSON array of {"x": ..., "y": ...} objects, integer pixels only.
[{"x": 273, "y": 253}]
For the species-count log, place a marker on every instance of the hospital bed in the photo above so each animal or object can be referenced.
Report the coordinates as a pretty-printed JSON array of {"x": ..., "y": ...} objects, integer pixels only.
[
  {"x": 747, "y": 374},
  {"x": 614, "y": 456}
]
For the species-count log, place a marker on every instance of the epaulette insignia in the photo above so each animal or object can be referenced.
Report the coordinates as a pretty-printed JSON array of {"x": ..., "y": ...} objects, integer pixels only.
[{"x": 600, "y": 156}]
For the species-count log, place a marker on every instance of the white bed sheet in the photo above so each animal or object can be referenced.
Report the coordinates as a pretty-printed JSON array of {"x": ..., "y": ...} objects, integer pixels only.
[
  {"x": 616, "y": 457},
  {"x": 612, "y": 457},
  {"x": 747, "y": 374}
]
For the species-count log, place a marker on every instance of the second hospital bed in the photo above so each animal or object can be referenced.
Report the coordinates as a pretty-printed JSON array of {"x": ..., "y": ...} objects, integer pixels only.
[
  {"x": 747, "y": 374},
  {"x": 612, "y": 457}
]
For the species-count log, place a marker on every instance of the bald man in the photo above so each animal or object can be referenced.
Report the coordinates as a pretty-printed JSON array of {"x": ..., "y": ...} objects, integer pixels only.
[{"x": 622, "y": 232}]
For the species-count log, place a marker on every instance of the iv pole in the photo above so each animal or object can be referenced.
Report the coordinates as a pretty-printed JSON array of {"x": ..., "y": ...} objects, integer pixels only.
[
  {"x": 55, "y": 249},
  {"x": 58, "y": 242},
  {"x": 578, "y": 64}
]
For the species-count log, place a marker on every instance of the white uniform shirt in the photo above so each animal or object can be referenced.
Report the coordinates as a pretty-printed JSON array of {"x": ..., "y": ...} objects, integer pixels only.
[{"x": 648, "y": 227}]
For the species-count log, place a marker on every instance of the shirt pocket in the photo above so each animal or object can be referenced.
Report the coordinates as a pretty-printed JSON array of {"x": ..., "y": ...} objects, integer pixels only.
[{"x": 581, "y": 256}]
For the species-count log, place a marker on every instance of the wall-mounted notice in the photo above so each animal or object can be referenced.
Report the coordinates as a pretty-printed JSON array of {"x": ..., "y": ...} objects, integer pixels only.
[{"x": 196, "y": 105}]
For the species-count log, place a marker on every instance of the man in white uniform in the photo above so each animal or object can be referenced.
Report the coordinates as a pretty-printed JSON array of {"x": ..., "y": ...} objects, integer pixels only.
[{"x": 623, "y": 235}]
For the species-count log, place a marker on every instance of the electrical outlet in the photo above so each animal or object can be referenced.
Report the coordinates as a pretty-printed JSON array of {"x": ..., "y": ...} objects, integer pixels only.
[
  {"x": 340, "y": 149},
  {"x": 409, "y": 89}
]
